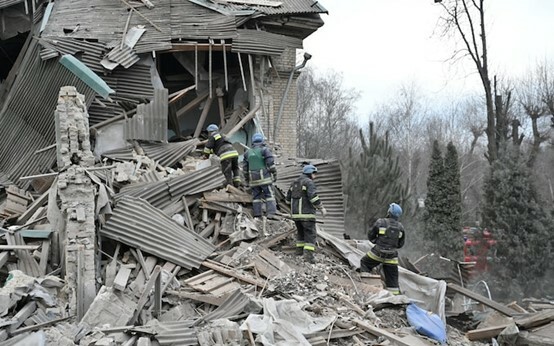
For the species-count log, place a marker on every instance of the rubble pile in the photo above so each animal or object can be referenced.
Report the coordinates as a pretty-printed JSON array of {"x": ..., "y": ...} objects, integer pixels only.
[{"x": 195, "y": 268}]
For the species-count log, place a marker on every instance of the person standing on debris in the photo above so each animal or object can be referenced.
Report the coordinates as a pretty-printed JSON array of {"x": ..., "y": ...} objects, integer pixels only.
[
  {"x": 303, "y": 199},
  {"x": 220, "y": 146},
  {"x": 388, "y": 236},
  {"x": 260, "y": 173}
]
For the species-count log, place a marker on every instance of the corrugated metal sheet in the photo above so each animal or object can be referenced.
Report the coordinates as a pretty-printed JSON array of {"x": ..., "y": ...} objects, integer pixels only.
[
  {"x": 263, "y": 42},
  {"x": 132, "y": 83},
  {"x": 288, "y": 7},
  {"x": 232, "y": 306},
  {"x": 164, "y": 193},
  {"x": 169, "y": 154},
  {"x": 120, "y": 154},
  {"x": 100, "y": 111},
  {"x": 27, "y": 116},
  {"x": 150, "y": 121},
  {"x": 8, "y": 3},
  {"x": 138, "y": 224},
  {"x": 89, "y": 53},
  {"x": 105, "y": 20},
  {"x": 125, "y": 56},
  {"x": 190, "y": 21},
  {"x": 176, "y": 333},
  {"x": 329, "y": 189}
]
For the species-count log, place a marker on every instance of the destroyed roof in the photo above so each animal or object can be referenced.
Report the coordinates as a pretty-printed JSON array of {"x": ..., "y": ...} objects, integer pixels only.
[{"x": 284, "y": 6}]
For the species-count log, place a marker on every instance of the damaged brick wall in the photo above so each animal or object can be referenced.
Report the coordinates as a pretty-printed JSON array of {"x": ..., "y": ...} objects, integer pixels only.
[
  {"x": 77, "y": 196},
  {"x": 287, "y": 134}
]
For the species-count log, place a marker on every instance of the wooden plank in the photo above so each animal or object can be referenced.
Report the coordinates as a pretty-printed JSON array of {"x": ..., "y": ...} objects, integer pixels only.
[
  {"x": 275, "y": 261},
  {"x": 213, "y": 265},
  {"x": 44, "y": 254},
  {"x": 144, "y": 297},
  {"x": 536, "y": 319},
  {"x": 203, "y": 298},
  {"x": 120, "y": 281},
  {"x": 192, "y": 104},
  {"x": 111, "y": 268},
  {"x": 481, "y": 299},
  {"x": 396, "y": 340},
  {"x": 39, "y": 326},
  {"x": 4, "y": 256},
  {"x": 19, "y": 247},
  {"x": 485, "y": 333},
  {"x": 269, "y": 242},
  {"x": 22, "y": 315},
  {"x": 513, "y": 305},
  {"x": 212, "y": 282}
]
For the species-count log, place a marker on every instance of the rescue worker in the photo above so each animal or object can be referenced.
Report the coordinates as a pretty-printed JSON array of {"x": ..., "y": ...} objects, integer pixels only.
[
  {"x": 260, "y": 173},
  {"x": 220, "y": 146},
  {"x": 303, "y": 199},
  {"x": 388, "y": 236}
]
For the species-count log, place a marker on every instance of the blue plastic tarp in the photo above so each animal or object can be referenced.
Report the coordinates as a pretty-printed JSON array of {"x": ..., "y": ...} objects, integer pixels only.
[{"x": 426, "y": 323}]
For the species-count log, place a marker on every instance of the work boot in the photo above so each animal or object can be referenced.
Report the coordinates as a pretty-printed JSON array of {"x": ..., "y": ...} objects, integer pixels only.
[
  {"x": 309, "y": 256},
  {"x": 299, "y": 251}
]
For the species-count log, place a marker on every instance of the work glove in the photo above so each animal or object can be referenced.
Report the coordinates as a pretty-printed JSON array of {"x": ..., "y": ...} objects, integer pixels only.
[{"x": 323, "y": 211}]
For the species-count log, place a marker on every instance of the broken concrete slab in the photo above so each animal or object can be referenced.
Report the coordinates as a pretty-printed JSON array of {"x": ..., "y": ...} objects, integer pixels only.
[{"x": 109, "y": 308}]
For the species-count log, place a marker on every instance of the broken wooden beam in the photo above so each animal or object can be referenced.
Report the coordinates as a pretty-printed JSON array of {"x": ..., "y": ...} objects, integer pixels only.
[
  {"x": 213, "y": 265},
  {"x": 481, "y": 299},
  {"x": 394, "y": 339}
]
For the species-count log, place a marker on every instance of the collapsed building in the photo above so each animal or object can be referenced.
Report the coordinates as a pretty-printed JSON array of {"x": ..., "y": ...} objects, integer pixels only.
[{"x": 115, "y": 231}]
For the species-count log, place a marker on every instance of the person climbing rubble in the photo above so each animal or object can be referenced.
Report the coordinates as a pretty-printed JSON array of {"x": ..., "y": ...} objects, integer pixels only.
[
  {"x": 304, "y": 201},
  {"x": 220, "y": 146},
  {"x": 388, "y": 236},
  {"x": 260, "y": 174}
]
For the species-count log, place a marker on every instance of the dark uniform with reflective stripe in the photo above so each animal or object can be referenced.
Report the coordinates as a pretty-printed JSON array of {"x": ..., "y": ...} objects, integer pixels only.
[
  {"x": 259, "y": 166},
  {"x": 388, "y": 235},
  {"x": 303, "y": 199},
  {"x": 220, "y": 146}
]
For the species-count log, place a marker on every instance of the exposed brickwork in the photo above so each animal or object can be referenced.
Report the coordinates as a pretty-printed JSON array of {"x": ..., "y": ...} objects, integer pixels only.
[
  {"x": 287, "y": 134},
  {"x": 77, "y": 196}
]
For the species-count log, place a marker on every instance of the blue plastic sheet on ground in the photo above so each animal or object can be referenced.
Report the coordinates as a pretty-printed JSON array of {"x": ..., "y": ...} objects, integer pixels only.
[{"x": 426, "y": 323}]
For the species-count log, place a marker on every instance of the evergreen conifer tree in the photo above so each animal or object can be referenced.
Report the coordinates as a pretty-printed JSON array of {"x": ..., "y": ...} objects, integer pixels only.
[
  {"x": 372, "y": 180},
  {"x": 521, "y": 227},
  {"x": 452, "y": 233},
  {"x": 435, "y": 203}
]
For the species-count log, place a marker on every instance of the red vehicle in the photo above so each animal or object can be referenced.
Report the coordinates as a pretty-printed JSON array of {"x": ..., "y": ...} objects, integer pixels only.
[{"x": 478, "y": 247}]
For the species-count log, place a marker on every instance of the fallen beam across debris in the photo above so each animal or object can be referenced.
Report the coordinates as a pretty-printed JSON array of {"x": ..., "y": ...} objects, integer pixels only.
[{"x": 481, "y": 299}]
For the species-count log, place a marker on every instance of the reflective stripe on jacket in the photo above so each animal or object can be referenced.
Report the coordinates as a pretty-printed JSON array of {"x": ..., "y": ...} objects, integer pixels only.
[
  {"x": 219, "y": 145},
  {"x": 303, "y": 199}
]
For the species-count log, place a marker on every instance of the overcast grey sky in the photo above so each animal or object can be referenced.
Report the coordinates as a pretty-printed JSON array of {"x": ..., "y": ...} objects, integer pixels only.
[{"x": 378, "y": 44}]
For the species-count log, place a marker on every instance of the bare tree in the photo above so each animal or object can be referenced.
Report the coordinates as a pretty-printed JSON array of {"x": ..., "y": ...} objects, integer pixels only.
[
  {"x": 326, "y": 124},
  {"x": 534, "y": 97},
  {"x": 467, "y": 19},
  {"x": 404, "y": 118}
]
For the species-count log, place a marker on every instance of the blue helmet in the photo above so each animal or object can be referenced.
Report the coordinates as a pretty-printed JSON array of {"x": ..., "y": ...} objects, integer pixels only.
[
  {"x": 395, "y": 210},
  {"x": 257, "y": 138},
  {"x": 309, "y": 169},
  {"x": 212, "y": 128}
]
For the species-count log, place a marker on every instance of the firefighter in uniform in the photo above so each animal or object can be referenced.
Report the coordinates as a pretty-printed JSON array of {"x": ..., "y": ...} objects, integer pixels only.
[
  {"x": 220, "y": 146},
  {"x": 388, "y": 236},
  {"x": 260, "y": 173},
  {"x": 303, "y": 199}
]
